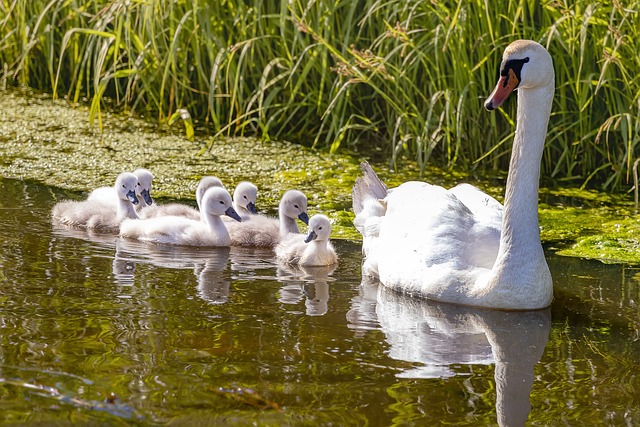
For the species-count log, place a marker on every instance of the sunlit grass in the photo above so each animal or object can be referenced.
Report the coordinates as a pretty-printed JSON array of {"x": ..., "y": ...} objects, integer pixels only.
[{"x": 406, "y": 76}]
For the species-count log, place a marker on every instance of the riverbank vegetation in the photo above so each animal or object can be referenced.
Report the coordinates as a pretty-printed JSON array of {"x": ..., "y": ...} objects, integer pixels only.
[{"x": 405, "y": 77}]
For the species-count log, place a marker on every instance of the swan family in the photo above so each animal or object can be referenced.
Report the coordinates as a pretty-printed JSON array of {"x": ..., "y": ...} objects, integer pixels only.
[
  {"x": 456, "y": 245},
  {"x": 128, "y": 209}
]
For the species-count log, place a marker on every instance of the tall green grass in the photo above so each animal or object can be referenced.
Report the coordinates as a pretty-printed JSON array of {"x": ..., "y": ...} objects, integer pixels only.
[{"x": 407, "y": 76}]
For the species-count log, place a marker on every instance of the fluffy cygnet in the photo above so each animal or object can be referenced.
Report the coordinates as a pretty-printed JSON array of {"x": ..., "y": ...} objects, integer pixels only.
[
  {"x": 143, "y": 191},
  {"x": 313, "y": 250},
  {"x": 98, "y": 214},
  {"x": 176, "y": 230},
  {"x": 263, "y": 231}
]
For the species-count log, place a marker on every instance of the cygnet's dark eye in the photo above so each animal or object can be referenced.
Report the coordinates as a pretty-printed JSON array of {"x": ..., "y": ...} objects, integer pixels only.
[
  {"x": 244, "y": 197},
  {"x": 319, "y": 228},
  {"x": 221, "y": 202},
  {"x": 296, "y": 206},
  {"x": 124, "y": 186}
]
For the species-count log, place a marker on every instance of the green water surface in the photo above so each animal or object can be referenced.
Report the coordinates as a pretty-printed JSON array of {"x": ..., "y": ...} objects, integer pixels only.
[{"x": 228, "y": 337}]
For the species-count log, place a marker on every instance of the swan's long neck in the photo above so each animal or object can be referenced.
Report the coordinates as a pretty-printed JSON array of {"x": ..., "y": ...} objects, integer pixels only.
[
  {"x": 241, "y": 210},
  {"x": 125, "y": 210},
  {"x": 520, "y": 237},
  {"x": 204, "y": 216},
  {"x": 287, "y": 225},
  {"x": 216, "y": 225}
]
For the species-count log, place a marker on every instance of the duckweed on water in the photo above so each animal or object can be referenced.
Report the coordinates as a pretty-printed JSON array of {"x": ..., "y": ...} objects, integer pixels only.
[
  {"x": 590, "y": 224},
  {"x": 617, "y": 241},
  {"x": 49, "y": 142}
]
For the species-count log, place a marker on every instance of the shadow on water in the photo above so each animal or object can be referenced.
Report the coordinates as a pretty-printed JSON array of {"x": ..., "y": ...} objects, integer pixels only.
[{"x": 229, "y": 337}]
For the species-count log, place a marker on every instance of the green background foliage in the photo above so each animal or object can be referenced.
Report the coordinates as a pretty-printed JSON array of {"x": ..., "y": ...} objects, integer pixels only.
[{"x": 407, "y": 77}]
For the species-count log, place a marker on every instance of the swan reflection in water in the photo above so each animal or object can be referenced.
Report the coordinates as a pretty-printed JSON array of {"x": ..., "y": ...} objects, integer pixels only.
[
  {"x": 310, "y": 283},
  {"x": 438, "y": 335}
]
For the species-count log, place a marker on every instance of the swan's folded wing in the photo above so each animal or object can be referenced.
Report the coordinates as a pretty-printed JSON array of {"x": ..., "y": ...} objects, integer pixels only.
[
  {"x": 104, "y": 194},
  {"x": 484, "y": 207},
  {"x": 426, "y": 236},
  {"x": 167, "y": 229}
]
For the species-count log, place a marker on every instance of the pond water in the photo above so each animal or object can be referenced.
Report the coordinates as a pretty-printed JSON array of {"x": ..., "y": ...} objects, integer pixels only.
[{"x": 96, "y": 330}]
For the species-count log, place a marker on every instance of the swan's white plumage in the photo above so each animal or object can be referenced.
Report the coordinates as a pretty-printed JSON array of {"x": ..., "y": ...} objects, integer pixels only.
[
  {"x": 262, "y": 231},
  {"x": 99, "y": 214},
  {"x": 108, "y": 196},
  {"x": 312, "y": 250},
  {"x": 460, "y": 245},
  {"x": 244, "y": 199},
  {"x": 178, "y": 209},
  {"x": 145, "y": 178},
  {"x": 177, "y": 230}
]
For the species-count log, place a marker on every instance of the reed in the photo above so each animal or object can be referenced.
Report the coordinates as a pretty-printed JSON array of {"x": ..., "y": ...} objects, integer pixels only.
[{"x": 405, "y": 76}]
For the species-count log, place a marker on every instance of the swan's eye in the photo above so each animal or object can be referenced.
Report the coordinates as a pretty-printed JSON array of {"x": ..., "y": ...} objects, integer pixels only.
[
  {"x": 296, "y": 206},
  {"x": 124, "y": 186},
  {"x": 244, "y": 197},
  {"x": 319, "y": 228},
  {"x": 221, "y": 202}
]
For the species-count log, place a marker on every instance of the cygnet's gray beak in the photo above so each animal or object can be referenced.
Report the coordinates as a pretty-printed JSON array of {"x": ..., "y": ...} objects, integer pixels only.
[
  {"x": 131, "y": 195},
  {"x": 146, "y": 196},
  {"x": 233, "y": 214},
  {"x": 304, "y": 218},
  {"x": 251, "y": 207},
  {"x": 312, "y": 236}
]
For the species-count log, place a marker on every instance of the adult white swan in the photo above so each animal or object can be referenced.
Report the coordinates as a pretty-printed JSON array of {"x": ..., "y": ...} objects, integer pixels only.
[{"x": 460, "y": 245}]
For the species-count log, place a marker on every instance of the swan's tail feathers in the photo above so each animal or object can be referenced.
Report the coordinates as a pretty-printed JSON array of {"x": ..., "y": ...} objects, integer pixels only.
[
  {"x": 368, "y": 205},
  {"x": 368, "y": 186}
]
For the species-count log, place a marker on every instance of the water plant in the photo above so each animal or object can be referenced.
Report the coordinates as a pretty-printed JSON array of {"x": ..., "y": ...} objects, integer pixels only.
[{"x": 408, "y": 77}]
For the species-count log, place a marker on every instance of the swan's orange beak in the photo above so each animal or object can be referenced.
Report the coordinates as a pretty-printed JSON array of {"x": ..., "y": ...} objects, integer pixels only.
[{"x": 503, "y": 89}]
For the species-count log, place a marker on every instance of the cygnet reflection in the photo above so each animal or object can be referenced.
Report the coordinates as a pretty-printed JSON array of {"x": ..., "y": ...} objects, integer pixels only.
[
  {"x": 101, "y": 240},
  {"x": 308, "y": 283},
  {"x": 208, "y": 264},
  {"x": 213, "y": 286}
]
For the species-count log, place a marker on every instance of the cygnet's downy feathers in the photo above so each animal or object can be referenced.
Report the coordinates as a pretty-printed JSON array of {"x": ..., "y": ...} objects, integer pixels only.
[
  {"x": 263, "y": 231},
  {"x": 98, "y": 214},
  {"x": 177, "y": 230},
  {"x": 312, "y": 250}
]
